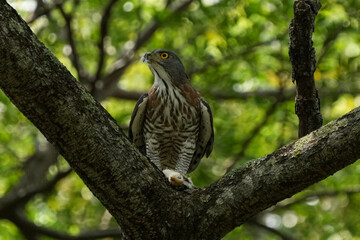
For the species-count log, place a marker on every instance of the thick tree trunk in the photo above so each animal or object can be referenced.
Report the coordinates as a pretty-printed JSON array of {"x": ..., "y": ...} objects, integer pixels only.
[{"x": 131, "y": 188}]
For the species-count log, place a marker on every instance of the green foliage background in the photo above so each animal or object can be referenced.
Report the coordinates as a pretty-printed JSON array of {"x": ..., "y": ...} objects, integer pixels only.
[{"x": 228, "y": 48}]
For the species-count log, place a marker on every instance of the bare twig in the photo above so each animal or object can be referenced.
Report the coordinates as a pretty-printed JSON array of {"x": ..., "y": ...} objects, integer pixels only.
[
  {"x": 249, "y": 49},
  {"x": 44, "y": 9},
  {"x": 109, "y": 81},
  {"x": 74, "y": 57},
  {"x": 127, "y": 95},
  {"x": 329, "y": 41},
  {"x": 10, "y": 201},
  {"x": 302, "y": 57},
  {"x": 282, "y": 235},
  {"x": 332, "y": 36},
  {"x": 290, "y": 202},
  {"x": 236, "y": 158},
  {"x": 104, "y": 26},
  {"x": 30, "y": 229},
  {"x": 285, "y": 94},
  {"x": 280, "y": 93}
]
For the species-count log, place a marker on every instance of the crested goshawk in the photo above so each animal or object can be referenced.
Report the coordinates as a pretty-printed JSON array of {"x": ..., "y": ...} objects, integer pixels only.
[{"x": 171, "y": 124}]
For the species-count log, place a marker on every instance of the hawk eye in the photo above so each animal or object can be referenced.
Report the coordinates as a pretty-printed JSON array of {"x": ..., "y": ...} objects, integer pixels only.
[{"x": 164, "y": 55}]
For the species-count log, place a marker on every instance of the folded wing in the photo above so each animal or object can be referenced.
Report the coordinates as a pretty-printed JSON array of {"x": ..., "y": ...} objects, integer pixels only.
[
  {"x": 206, "y": 136},
  {"x": 136, "y": 128}
]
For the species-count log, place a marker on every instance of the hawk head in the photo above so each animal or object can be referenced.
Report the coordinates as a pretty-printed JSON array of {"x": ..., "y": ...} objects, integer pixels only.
[{"x": 166, "y": 65}]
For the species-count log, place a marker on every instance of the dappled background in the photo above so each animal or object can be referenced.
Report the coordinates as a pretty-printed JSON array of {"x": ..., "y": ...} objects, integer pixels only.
[{"x": 236, "y": 54}]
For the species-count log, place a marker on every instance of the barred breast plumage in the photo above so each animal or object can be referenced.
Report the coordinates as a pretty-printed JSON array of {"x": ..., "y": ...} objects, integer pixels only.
[{"x": 171, "y": 126}]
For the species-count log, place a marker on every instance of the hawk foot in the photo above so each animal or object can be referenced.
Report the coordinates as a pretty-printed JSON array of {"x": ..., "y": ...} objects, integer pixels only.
[{"x": 177, "y": 179}]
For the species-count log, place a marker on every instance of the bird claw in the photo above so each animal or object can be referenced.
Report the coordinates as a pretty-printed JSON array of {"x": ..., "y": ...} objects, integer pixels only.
[{"x": 176, "y": 179}]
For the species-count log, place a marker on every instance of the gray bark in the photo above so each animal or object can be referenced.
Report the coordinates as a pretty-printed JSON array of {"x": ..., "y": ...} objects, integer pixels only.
[
  {"x": 302, "y": 57},
  {"x": 127, "y": 184}
]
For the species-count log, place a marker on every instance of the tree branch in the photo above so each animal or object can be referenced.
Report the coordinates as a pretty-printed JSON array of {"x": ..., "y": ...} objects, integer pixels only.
[
  {"x": 236, "y": 158},
  {"x": 74, "y": 57},
  {"x": 32, "y": 182},
  {"x": 44, "y": 9},
  {"x": 302, "y": 57},
  {"x": 31, "y": 229},
  {"x": 285, "y": 94},
  {"x": 283, "y": 236},
  {"x": 233, "y": 56},
  {"x": 329, "y": 41},
  {"x": 109, "y": 81},
  {"x": 11, "y": 200},
  {"x": 128, "y": 95},
  {"x": 103, "y": 32},
  {"x": 279, "y": 94},
  {"x": 133, "y": 190},
  {"x": 316, "y": 195},
  {"x": 288, "y": 170}
]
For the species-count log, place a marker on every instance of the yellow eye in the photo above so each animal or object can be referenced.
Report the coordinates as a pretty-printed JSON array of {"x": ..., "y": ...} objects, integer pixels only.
[{"x": 164, "y": 55}]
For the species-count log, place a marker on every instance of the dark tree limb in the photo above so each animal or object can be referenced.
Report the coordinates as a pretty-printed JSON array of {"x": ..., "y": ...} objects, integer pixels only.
[
  {"x": 109, "y": 81},
  {"x": 302, "y": 57},
  {"x": 254, "y": 132},
  {"x": 33, "y": 231},
  {"x": 127, "y": 95},
  {"x": 43, "y": 8},
  {"x": 128, "y": 185},
  {"x": 329, "y": 41},
  {"x": 282, "y": 235},
  {"x": 286, "y": 94},
  {"x": 14, "y": 199},
  {"x": 194, "y": 69},
  {"x": 316, "y": 195},
  {"x": 104, "y": 27},
  {"x": 32, "y": 182},
  {"x": 74, "y": 56},
  {"x": 276, "y": 94}
]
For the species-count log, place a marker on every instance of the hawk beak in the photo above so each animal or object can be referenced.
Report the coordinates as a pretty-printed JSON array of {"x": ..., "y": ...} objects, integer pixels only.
[{"x": 145, "y": 58}]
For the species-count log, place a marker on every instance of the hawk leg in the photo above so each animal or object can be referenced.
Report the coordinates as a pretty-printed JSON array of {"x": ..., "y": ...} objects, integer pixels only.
[
  {"x": 176, "y": 179},
  {"x": 153, "y": 152},
  {"x": 185, "y": 156}
]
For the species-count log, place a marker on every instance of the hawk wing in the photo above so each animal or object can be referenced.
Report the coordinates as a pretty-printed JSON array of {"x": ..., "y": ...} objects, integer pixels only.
[
  {"x": 205, "y": 141},
  {"x": 136, "y": 132}
]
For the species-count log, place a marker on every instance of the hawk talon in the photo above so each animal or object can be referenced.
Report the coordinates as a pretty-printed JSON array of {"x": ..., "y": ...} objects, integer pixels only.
[{"x": 176, "y": 179}]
